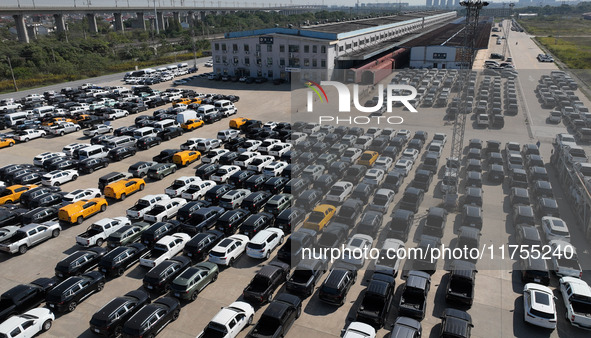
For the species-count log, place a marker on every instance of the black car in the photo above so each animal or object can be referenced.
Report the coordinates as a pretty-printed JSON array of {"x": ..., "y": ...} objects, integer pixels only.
[
  {"x": 186, "y": 211},
  {"x": 165, "y": 156},
  {"x": 46, "y": 200},
  {"x": 124, "y": 130},
  {"x": 148, "y": 142},
  {"x": 262, "y": 286},
  {"x": 66, "y": 295},
  {"x": 9, "y": 217},
  {"x": 170, "y": 133},
  {"x": 296, "y": 185},
  {"x": 158, "y": 230},
  {"x": 456, "y": 323},
  {"x": 230, "y": 221},
  {"x": 255, "y": 223},
  {"x": 253, "y": 202},
  {"x": 238, "y": 178},
  {"x": 234, "y": 144},
  {"x": 24, "y": 297},
  {"x": 376, "y": 300},
  {"x": 354, "y": 173},
  {"x": 202, "y": 219},
  {"x": 205, "y": 170},
  {"x": 119, "y": 153},
  {"x": 333, "y": 235},
  {"x": 79, "y": 262},
  {"x": 109, "y": 320},
  {"x": 369, "y": 223},
  {"x": 199, "y": 246},
  {"x": 363, "y": 192},
  {"x": 116, "y": 261},
  {"x": 305, "y": 277},
  {"x": 308, "y": 199},
  {"x": 213, "y": 117},
  {"x": 39, "y": 215},
  {"x": 53, "y": 161},
  {"x": 89, "y": 165},
  {"x": 412, "y": 198},
  {"x": 289, "y": 219},
  {"x": 30, "y": 178},
  {"x": 159, "y": 278},
  {"x": 31, "y": 194},
  {"x": 337, "y": 284},
  {"x": 275, "y": 185},
  {"x": 255, "y": 182},
  {"x": 152, "y": 318},
  {"x": 64, "y": 164},
  {"x": 291, "y": 251}
]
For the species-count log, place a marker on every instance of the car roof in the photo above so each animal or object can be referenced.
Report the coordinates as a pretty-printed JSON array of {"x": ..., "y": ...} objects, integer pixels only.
[{"x": 457, "y": 322}]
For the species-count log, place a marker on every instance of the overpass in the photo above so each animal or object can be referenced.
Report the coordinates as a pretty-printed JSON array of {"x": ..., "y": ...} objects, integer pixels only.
[{"x": 192, "y": 13}]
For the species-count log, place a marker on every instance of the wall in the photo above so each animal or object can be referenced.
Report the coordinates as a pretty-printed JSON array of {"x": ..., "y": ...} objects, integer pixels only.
[{"x": 422, "y": 57}]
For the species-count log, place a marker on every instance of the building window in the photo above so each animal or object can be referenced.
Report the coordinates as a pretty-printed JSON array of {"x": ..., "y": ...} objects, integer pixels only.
[
  {"x": 258, "y": 47},
  {"x": 294, "y": 48},
  {"x": 259, "y": 62},
  {"x": 314, "y": 49},
  {"x": 235, "y": 60},
  {"x": 282, "y": 62},
  {"x": 306, "y": 49},
  {"x": 269, "y": 61},
  {"x": 235, "y": 48},
  {"x": 341, "y": 48},
  {"x": 348, "y": 46},
  {"x": 314, "y": 63},
  {"x": 281, "y": 48},
  {"x": 217, "y": 59},
  {"x": 294, "y": 62},
  {"x": 269, "y": 48},
  {"x": 306, "y": 62},
  {"x": 439, "y": 55},
  {"x": 224, "y": 47},
  {"x": 355, "y": 44},
  {"x": 224, "y": 59},
  {"x": 246, "y": 48},
  {"x": 323, "y": 63},
  {"x": 217, "y": 46},
  {"x": 323, "y": 49},
  {"x": 362, "y": 42},
  {"x": 270, "y": 73},
  {"x": 247, "y": 61},
  {"x": 259, "y": 73}
]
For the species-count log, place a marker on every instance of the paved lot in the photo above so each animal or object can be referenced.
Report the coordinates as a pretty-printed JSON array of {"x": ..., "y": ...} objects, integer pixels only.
[{"x": 497, "y": 309}]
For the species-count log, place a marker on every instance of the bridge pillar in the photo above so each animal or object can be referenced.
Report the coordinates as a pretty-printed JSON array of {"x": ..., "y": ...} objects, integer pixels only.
[
  {"x": 21, "y": 28},
  {"x": 140, "y": 21},
  {"x": 176, "y": 16},
  {"x": 60, "y": 23},
  {"x": 191, "y": 18},
  {"x": 161, "y": 23},
  {"x": 32, "y": 31},
  {"x": 202, "y": 15},
  {"x": 92, "y": 26},
  {"x": 119, "y": 27}
]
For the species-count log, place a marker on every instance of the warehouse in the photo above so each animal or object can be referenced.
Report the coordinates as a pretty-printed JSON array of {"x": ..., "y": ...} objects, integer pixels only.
[{"x": 315, "y": 52}]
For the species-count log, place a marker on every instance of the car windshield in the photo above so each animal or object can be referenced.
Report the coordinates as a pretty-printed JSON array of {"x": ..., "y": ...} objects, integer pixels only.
[
  {"x": 214, "y": 330},
  {"x": 380, "y": 200},
  {"x": 366, "y": 157},
  {"x": 316, "y": 216}
]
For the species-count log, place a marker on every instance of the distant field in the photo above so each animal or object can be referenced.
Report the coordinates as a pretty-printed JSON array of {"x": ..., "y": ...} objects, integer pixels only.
[
  {"x": 574, "y": 52},
  {"x": 557, "y": 25}
]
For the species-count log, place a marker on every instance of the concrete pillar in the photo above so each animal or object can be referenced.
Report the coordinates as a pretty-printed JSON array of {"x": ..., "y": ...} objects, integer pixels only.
[
  {"x": 119, "y": 27},
  {"x": 161, "y": 23},
  {"x": 92, "y": 26},
  {"x": 202, "y": 15},
  {"x": 60, "y": 23},
  {"x": 191, "y": 18},
  {"x": 176, "y": 17},
  {"x": 32, "y": 31},
  {"x": 21, "y": 28},
  {"x": 140, "y": 21}
]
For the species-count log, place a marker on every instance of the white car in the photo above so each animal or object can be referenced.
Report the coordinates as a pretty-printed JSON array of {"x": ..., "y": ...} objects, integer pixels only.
[
  {"x": 279, "y": 149},
  {"x": 576, "y": 294},
  {"x": 70, "y": 148},
  {"x": 229, "y": 321},
  {"x": 210, "y": 64},
  {"x": 363, "y": 142},
  {"x": 115, "y": 114},
  {"x": 297, "y": 138},
  {"x": 435, "y": 147},
  {"x": 166, "y": 248},
  {"x": 359, "y": 330},
  {"x": 270, "y": 125},
  {"x": 539, "y": 306},
  {"x": 351, "y": 155},
  {"x": 264, "y": 242},
  {"x": 245, "y": 159},
  {"x": 179, "y": 82},
  {"x": 374, "y": 132},
  {"x": 39, "y": 159},
  {"x": 259, "y": 162},
  {"x": 81, "y": 194},
  {"x": 313, "y": 171},
  {"x": 29, "y": 134},
  {"x": 59, "y": 177},
  {"x": 410, "y": 153},
  {"x": 356, "y": 244},
  {"x": 28, "y": 324},
  {"x": 339, "y": 192},
  {"x": 214, "y": 155},
  {"x": 98, "y": 129},
  {"x": 266, "y": 145},
  {"x": 382, "y": 200},
  {"x": 224, "y": 172},
  {"x": 197, "y": 190},
  {"x": 249, "y": 145},
  {"x": 387, "y": 262},
  {"x": 180, "y": 185},
  {"x": 228, "y": 250},
  {"x": 191, "y": 144},
  {"x": 311, "y": 128},
  {"x": 164, "y": 210},
  {"x": 554, "y": 228},
  {"x": 439, "y": 138},
  {"x": 384, "y": 162},
  {"x": 404, "y": 133},
  {"x": 274, "y": 168},
  {"x": 227, "y": 134},
  {"x": 374, "y": 176}
]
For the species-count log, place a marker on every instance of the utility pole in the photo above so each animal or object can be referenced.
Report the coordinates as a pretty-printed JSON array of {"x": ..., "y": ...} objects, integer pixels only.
[
  {"x": 12, "y": 72},
  {"x": 473, "y": 8}
]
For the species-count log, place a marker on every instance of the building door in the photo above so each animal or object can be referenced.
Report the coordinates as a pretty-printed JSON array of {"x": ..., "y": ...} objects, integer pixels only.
[{"x": 434, "y": 65}]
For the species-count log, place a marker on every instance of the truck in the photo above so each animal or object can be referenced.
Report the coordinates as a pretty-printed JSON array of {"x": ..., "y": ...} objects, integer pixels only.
[
  {"x": 460, "y": 285},
  {"x": 278, "y": 317},
  {"x": 413, "y": 301},
  {"x": 29, "y": 134},
  {"x": 97, "y": 233},
  {"x": 576, "y": 295},
  {"x": 30, "y": 235},
  {"x": 564, "y": 259},
  {"x": 24, "y": 297},
  {"x": 64, "y": 128},
  {"x": 265, "y": 282},
  {"x": 305, "y": 276},
  {"x": 144, "y": 205},
  {"x": 185, "y": 116},
  {"x": 165, "y": 248}
]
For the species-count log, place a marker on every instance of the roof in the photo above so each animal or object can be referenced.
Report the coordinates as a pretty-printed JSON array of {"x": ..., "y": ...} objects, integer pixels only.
[
  {"x": 579, "y": 287},
  {"x": 456, "y": 322},
  {"x": 417, "y": 279},
  {"x": 452, "y": 35}
]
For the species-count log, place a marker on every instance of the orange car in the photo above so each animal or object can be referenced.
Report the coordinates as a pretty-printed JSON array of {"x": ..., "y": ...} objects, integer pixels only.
[
  {"x": 121, "y": 189},
  {"x": 6, "y": 142},
  {"x": 77, "y": 212},
  {"x": 192, "y": 124},
  {"x": 368, "y": 158},
  {"x": 237, "y": 122},
  {"x": 13, "y": 193}
]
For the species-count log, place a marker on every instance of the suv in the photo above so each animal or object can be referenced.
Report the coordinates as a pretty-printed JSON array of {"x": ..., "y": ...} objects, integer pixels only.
[
  {"x": 305, "y": 276},
  {"x": 337, "y": 284},
  {"x": 412, "y": 198},
  {"x": 376, "y": 300},
  {"x": 268, "y": 278}
]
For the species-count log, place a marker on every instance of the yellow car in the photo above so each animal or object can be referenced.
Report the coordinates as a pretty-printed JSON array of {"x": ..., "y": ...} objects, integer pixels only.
[
  {"x": 192, "y": 124},
  {"x": 319, "y": 217},
  {"x": 77, "y": 212},
  {"x": 121, "y": 189},
  {"x": 185, "y": 157},
  {"x": 56, "y": 120},
  {"x": 368, "y": 158},
  {"x": 237, "y": 122},
  {"x": 6, "y": 142},
  {"x": 13, "y": 193},
  {"x": 183, "y": 100}
]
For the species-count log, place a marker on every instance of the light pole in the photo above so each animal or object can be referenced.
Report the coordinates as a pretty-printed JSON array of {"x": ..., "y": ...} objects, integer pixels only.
[{"x": 12, "y": 72}]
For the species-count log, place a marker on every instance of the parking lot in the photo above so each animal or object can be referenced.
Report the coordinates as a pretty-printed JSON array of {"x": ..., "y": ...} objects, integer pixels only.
[{"x": 498, "y": 303}]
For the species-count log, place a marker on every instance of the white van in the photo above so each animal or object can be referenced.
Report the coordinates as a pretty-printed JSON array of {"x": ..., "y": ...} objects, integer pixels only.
[
  {"x": 143, "y": 132},
  {"x": 165, "y": 124},
  {"x": 223, "y": 104},
  {"x": 42, "y": 111},
  {"x": 96, "y": 151},
  {"x": 173, "y": 69},
  {"x": 13, "y": 118},
  {"x": 121, "y": 141},
  {"x": 206, "y": 109}
]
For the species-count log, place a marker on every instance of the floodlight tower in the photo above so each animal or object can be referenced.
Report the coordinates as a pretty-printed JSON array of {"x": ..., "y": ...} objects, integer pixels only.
[{"x": 473, "y": 8}]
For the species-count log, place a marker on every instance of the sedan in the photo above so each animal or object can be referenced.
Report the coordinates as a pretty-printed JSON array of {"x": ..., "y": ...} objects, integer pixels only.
[
  {"x": 539, "y": 306},
  {"x": 374, "y": 176},
  {"x": 339, "y": 192},
  {"x": 193, "y": 280},
  {"x": 358, "y": 243},
  {"x": 28, "y": 324},
  {"x": 404, "y": 166},
  {"x": 410, "y": 153},
  {"x": 80, "y": 194}
]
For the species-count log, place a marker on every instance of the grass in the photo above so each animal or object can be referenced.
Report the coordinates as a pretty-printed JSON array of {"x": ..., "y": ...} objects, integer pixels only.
[
  {"x": 575, "y": 52},
  {"x": 556, "y": 25}
]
